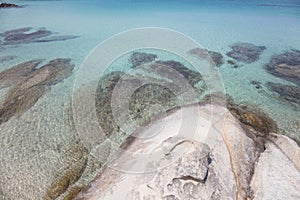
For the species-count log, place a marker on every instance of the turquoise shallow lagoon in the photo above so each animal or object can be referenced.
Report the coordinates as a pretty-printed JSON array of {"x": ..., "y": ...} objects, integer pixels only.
[{"x": 36, "y": 139}]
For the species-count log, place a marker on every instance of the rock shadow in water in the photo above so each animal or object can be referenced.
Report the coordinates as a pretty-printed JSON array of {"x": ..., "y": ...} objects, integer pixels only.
[{"x": 29, "y": 83}]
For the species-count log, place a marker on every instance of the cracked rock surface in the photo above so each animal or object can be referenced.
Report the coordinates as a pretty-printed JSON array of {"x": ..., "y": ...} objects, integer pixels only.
[{"x": 180, "y": 161}]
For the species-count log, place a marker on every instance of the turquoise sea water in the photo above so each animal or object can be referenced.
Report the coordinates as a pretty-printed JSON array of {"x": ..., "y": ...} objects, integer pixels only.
[{"x": 214, "y": 24}]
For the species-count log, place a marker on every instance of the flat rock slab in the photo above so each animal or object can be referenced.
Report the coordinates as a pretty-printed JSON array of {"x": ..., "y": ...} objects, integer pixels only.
[{"x": 245, "y": 52}]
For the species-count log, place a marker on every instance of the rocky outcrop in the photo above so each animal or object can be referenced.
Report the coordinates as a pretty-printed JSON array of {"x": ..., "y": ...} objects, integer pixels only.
[
  {"x": 28, "y": 83},
  {"x": 277, "y": 170},
  {"x": 285, "y": 65},
  {"x": 179, "y": 163},
  {"x": 9, "y": 5},
  {"x": 254, "y": 120},
  {"x": 29, "y": 35},
  {"x": 245, "y": 52}
]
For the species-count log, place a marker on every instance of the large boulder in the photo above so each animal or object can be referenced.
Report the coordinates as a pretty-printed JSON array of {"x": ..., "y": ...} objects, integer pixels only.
[{"x": 179, "y": 161}]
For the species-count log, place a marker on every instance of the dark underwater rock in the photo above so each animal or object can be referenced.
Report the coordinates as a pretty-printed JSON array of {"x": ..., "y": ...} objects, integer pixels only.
[
  {"x": 139, "y": 58},
  {"x": 18, "y": 73},
  {"x": 23, "y": 37},
  {"x": 162, "y": 83},
  {"x": 6, "y": 58},
  {"x": 204, "y": 53},
  {"x": 29, "y": 35},
  {"x": 103, "y": 100},
  {"x": 33, "y": 85},
  {"x": 234, "y": 64},
  {"x": 287, "y": 93},
  {"x": 245, "y": 52},
  {"x": 217, "y": 58},
  {"x": 257, "y": 84},
  {"x": 286, "y": 66},
  {"x": 57, "y": 38},
  {"x": 191, "y": 76},
  {"x": 9, "y": 5}
]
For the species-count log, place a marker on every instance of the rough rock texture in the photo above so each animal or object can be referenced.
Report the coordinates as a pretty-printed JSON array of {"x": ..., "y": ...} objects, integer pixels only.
[
  {"x": 245, "y": 52},
  {"x": 288, "y": 93},
  {"x": 29, "y": 84},
  {"x": 216, "y": 57},
  {"x": 178, "y": 164},
  {"x": 286, "y": 66},
  {"x": 139, "y": 58},
  {"x": 29, "y": 35},
  {"x": 277, "y": 171}
]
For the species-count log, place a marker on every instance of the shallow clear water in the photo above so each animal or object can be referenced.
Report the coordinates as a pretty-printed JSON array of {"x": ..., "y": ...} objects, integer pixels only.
[{"x": 215, "y": 25}]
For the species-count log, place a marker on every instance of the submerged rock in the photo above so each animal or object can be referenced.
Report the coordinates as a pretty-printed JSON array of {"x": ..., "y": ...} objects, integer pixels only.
[
  {"x": 234, "y": 64},
  {"x": 139, "y": 58},
  {"x": 9, "y": 5},
  {"x": 216, "y": 57},
  {"x": 20, "y": 36},
  {"x": 152, "y": 89},
  {"x": 257, "y": 84},
  {"x": 18, "y": 73},
  {"x": 29, "y": 83},
  {"x": 57, "y": 38},
  {"x": 288, "y": 93},
  {"x": 29, "y": 35},
  {"x": 286, "y": 66},
  {"x": 191, "y": 76},
  {"x": 245, "y": 52},
  {"x": 180, "y": 165},
  {"x": 6, "y": 58}
]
